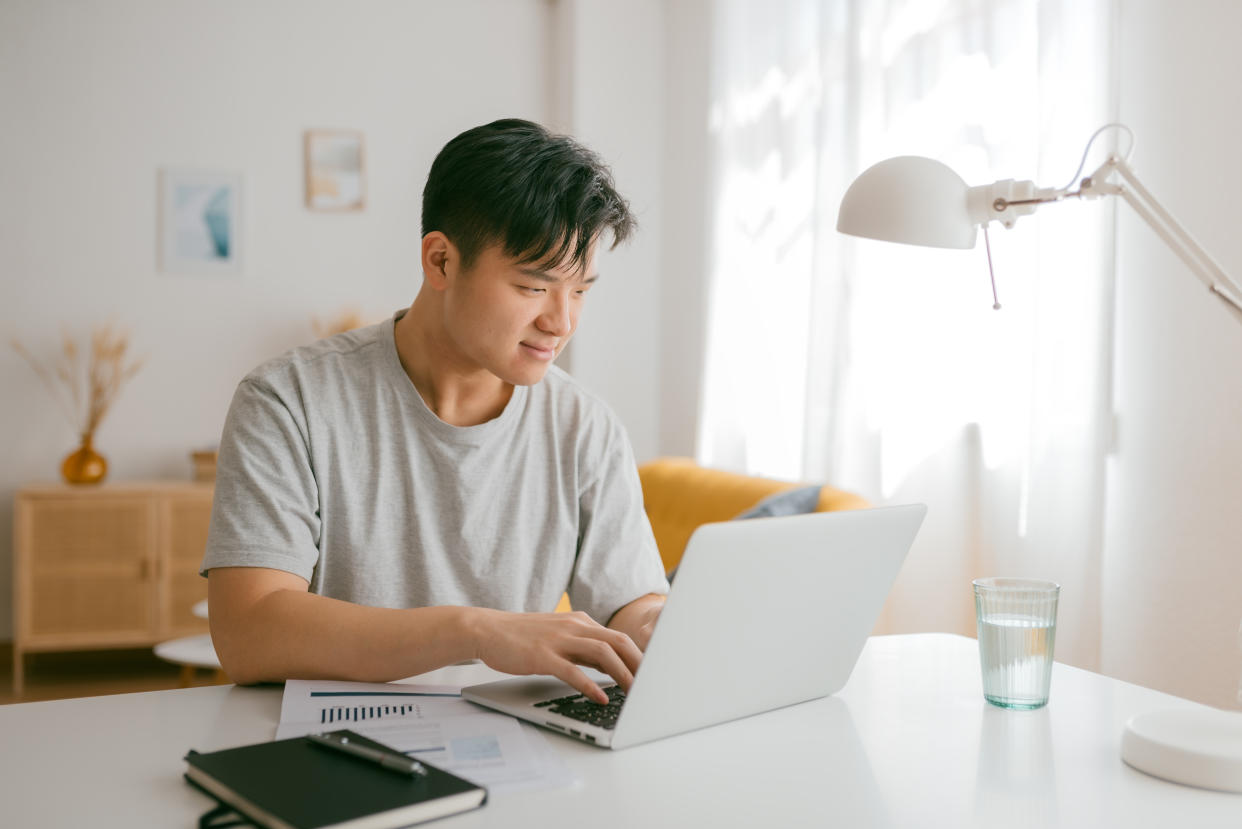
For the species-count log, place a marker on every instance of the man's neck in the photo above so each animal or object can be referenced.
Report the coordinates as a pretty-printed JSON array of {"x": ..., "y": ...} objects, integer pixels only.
[{"x": 459, "y": 395}]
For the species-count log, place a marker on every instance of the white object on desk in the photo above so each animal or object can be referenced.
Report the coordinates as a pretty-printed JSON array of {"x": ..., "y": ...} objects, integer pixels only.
[
  {"x": 817, "y": 590},
  {"x": 1198, "y": 747}
]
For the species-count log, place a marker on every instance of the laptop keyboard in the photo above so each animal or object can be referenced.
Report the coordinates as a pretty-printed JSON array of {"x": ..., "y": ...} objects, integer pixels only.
[{"x": 582, "y": 708}]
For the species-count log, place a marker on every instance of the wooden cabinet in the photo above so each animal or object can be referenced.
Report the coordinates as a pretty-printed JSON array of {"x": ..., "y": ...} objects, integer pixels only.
[{"x": 107, "y": 566}]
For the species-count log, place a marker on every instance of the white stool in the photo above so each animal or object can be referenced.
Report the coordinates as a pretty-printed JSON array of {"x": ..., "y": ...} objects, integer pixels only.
[{"x": 191, "y": 653}]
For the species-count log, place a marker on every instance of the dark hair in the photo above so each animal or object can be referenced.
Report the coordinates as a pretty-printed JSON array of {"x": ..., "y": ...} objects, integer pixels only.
[{"x": 545, "y": 198}]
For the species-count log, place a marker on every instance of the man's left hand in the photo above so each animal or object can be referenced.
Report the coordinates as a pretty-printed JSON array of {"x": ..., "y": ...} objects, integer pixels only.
[{"x": 638, "y": 618}]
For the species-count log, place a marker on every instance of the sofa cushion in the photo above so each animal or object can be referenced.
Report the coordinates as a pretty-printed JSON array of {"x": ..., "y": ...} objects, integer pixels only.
[{"x": 790, "y": 502}]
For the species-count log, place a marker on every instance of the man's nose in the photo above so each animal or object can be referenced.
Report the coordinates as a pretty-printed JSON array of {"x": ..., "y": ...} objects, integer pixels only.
[{"x": 556, "y": 318}]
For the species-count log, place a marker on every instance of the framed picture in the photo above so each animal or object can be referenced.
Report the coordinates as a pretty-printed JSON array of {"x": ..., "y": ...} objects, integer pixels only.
[
  {"x": 334, "y": 170},
  {"x": 200, "y": 221}
]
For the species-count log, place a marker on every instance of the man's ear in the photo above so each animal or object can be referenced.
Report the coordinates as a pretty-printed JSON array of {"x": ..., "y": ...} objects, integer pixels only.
[{"x": 439, "y": 257}]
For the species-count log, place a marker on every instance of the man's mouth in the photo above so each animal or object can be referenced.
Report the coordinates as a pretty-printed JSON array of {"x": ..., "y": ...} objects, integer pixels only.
[{"x": 543, "y": 351}]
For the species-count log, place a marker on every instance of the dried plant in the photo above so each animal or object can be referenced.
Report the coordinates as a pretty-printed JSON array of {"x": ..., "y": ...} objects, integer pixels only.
[
  {"x": 85, "y": 391},
  {"x": 346, "y": 320}
]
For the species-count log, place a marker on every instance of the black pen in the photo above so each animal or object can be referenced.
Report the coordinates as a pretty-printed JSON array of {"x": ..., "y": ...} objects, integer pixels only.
[{"x": 394, "y": 762}]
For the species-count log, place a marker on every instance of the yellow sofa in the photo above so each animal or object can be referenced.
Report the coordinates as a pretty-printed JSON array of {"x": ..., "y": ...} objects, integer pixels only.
[{"x": 680, "y": 495}]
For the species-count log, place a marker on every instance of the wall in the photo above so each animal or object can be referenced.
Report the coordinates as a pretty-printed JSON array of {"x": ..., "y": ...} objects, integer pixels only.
[
  {"x": 610, "y": 94},
  {"x": 96, "y": 97},
  {"x": 686, "y": 255},
  {"x": 1173, "y": 569}
]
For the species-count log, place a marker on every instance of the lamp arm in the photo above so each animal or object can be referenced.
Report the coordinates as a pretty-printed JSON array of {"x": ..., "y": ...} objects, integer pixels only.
[{"x": 1171, "y": 232}]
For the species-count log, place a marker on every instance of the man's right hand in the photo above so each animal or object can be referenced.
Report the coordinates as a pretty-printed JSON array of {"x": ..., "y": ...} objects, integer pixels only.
[{"x": 555, "y": 644}]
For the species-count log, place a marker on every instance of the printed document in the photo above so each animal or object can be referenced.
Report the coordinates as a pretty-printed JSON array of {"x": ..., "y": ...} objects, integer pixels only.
[{"x": 428, "y": 722}]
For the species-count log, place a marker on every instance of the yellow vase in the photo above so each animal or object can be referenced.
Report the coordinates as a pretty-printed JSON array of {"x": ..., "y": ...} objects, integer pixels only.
[{"x": 84, "y": 465}]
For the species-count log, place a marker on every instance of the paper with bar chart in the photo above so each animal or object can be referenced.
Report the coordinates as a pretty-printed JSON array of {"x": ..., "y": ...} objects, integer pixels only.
[{"x": 428, "y": 722}]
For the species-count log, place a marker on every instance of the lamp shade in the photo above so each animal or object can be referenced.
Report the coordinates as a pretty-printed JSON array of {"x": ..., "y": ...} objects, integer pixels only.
[{"x": 909, "y": 199}]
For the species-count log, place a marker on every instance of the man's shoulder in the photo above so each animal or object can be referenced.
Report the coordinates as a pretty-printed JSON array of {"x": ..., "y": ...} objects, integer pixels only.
[{"x": 341, "y": 355}]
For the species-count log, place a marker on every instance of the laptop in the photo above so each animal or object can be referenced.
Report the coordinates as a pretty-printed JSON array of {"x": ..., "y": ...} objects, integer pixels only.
[{"x": 763, "y": 613}]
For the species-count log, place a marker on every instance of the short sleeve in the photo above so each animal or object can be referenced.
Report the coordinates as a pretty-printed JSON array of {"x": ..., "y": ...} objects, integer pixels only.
[
  {"x": 617, "y": 560},
  {"x": 265, "y": 511}
]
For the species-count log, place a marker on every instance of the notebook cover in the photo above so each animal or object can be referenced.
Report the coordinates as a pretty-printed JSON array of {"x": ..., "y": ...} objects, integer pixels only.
[{"x": 307, "y": 786}]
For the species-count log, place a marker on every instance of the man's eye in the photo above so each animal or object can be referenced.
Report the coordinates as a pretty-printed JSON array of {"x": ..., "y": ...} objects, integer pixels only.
[{"x": 528, "y": 289}]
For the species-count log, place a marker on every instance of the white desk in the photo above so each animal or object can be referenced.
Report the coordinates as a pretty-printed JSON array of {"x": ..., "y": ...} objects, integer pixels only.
[{"x": 908, "y": 743}]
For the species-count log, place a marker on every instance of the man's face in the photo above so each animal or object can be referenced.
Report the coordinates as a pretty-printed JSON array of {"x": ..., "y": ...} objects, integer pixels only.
[{"x": 513, "y": 320}]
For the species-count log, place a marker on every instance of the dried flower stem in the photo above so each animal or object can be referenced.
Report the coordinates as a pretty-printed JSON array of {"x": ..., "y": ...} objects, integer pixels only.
[
  {"x": 106, "y": 373},
  {"x": 67, "y": 407}
]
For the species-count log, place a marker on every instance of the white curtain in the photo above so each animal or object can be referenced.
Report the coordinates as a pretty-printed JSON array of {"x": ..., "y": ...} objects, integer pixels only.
[{"x": 883, "y": 368}]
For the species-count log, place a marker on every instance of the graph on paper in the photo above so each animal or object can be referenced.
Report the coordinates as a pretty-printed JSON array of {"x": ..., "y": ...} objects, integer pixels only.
[
  {"x": 330, "y": 703},
  {"x": 369, "y": 706},
  {"x": 362, "y": 713}
]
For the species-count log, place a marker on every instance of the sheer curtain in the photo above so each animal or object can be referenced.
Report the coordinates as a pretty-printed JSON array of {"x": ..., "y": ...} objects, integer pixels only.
[{"x": 884, "y": 368}]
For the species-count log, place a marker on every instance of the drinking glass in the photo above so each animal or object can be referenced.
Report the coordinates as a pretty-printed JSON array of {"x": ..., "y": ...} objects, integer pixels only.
[{"x": 1017, "y": 625}]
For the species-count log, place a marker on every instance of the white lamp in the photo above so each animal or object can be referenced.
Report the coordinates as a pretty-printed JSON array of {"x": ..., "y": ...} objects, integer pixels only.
[{"x": 919, "y": 201}]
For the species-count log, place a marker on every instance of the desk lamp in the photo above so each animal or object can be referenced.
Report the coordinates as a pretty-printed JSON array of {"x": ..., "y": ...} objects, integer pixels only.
[{"x": 920, "y": 201}]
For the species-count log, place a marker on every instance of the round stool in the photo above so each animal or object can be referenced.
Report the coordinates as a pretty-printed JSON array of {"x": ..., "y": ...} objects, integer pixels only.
[{"x": 191, "y": 653}]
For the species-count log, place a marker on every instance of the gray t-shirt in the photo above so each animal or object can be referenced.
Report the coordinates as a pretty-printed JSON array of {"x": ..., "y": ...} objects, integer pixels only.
[{"x": 332, "y": 467}]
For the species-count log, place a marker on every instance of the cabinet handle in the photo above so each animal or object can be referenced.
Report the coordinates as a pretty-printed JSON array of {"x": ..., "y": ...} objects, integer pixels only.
[{"x": 144, "y": 567}]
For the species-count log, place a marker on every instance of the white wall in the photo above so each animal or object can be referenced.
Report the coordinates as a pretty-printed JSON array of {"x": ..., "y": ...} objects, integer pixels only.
[
  {"x": 96, "y": 97},
  {"x": 688, "y": 31},
  {"x": 611, "y": 96},
  {"x": 1173, "y": 554}
]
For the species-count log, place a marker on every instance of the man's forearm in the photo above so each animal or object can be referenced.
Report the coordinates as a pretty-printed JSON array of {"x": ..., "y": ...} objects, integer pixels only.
[
  {"x": 291, "y": 634},
  {"x": 267, "y": 627}
]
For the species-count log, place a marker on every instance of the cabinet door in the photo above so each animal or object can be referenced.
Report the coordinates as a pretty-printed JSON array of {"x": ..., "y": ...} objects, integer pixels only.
[
  {"x": 183, "y": 538},
  {"x": 87, "y": 570}
]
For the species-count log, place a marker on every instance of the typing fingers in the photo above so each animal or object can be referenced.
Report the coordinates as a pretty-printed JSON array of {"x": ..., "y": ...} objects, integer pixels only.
[
  {"x": 617, "y": 640},
  {"x": 573, "y": 676},
  {"x": 600, "y": 655},
  {"x": 627, "y": 649},
  {"x": 623, "y": 657},
  {"x": 557, "y": 644}
]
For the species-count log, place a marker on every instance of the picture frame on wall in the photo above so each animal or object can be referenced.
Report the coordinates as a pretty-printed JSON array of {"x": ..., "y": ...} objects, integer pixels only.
[
  {"x": 200, "y": 221},
  {"x": 335, "y": 169}
]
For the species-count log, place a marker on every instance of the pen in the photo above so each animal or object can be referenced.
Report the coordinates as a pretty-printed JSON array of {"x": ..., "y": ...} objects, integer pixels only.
[{"x": 394, "y": 762}]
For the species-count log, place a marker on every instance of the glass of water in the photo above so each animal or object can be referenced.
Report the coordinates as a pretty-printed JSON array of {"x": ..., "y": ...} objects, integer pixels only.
[{"x": 1017, "y": 625}]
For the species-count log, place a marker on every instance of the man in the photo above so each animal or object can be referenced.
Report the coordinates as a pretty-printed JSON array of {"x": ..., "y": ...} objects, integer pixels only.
[{"x": 421, "y": 492}]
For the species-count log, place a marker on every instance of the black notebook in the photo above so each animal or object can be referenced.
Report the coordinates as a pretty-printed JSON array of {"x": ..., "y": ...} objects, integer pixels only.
[{"x": 297, "y": 784}]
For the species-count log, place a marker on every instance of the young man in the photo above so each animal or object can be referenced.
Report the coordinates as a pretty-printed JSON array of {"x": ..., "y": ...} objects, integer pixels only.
[{"x": 421, "y": 492}]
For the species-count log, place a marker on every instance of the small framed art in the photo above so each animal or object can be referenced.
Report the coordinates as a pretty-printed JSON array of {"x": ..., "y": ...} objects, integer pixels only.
[
  {"x": 335, "y": 177},
  {"x": 200, "y": 221}
]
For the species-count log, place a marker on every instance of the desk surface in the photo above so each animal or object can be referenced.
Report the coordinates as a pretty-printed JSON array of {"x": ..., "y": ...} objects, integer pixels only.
[{"x": 908, "y": 742}]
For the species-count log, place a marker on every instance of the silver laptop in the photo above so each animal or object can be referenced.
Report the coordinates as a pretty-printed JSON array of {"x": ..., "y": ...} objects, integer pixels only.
[{"x": 763, "y": 613}]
